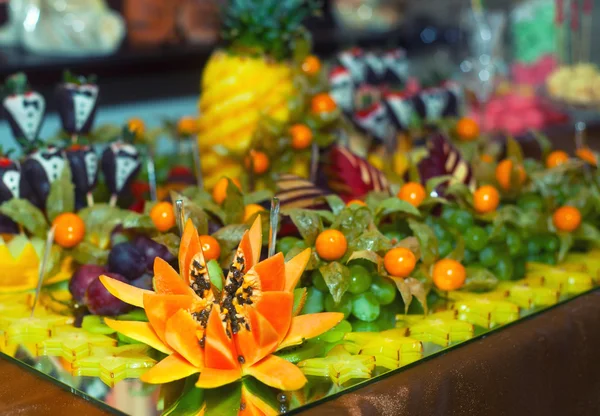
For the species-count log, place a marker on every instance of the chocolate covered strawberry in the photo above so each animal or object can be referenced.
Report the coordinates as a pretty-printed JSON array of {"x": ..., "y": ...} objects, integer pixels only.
[
  {"x": 121, "y": 162},
  {"x": 342, "y": 88},
  {"x": 77, "y": 99},
  {"x": 396, "y": 64},
  {"x": 40, "y": 169},
  {"x": 84, "y": 169},
  {"x": 24, "y": 109},
  {"x": 353, "y": 60},
  {"x": 375, "y": 120}
]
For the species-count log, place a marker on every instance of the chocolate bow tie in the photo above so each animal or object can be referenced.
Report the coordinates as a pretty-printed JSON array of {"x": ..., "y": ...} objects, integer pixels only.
[{"x": 31, "y": 103}]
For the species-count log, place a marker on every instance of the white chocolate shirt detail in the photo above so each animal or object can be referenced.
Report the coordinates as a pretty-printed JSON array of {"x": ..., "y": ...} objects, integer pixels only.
[
  {"x": 91, "y": 166},
  {"x": 11, "y": 180},
  {"x": 27, "y": 110},
  {"x": 52, "y": 166},
  {"x": 124, "y": 165}
]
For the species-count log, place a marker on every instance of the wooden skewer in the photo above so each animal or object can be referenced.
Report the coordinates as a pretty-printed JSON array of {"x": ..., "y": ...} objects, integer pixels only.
[
  {"x": 273, "y": 224},
  {"x": 179, "y": 216}
]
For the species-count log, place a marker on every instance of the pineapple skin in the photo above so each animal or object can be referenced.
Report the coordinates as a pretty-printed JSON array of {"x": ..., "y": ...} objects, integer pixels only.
[{"x": 236, "y": 91}]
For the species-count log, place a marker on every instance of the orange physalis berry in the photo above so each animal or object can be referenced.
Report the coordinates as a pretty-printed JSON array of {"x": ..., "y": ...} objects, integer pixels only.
[
  {"x": 504, "y": 172},
  {"x": 311, "y": 65},
  {"x": 322, "y": 103},
  {"x": 413, "y": 193},
  {"x": 69, "y": 229},
  {"x": 331, "y": 245},
  {"x": 301, "y": 136},
  {"x": 587, "y": 155},
  {"x": 486, "y": 199},
  {"x": 137, "y": 126},
  {"x": 356, "y": 202},
  {"x": 210, "y": 247},
  {"x": 467, "y": 129},
  {"x": 219, "y": 192},
  {"x": 449, "y": 274},
  {"x": 162, "y": 216},
  {"x": 566, "y": 219},
  {"x": 187, "y": 126},
  {"x": 486, "y": 158},
  {"x": 558, "y": 157},
  {"x": 250, "y": 210},
  {"x": 260, "y": 161},
  {"x": 400, "y": 262}
]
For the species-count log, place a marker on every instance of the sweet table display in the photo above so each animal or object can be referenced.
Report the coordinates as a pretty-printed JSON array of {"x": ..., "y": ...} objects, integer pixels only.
[{"x": 290, "y": 261}]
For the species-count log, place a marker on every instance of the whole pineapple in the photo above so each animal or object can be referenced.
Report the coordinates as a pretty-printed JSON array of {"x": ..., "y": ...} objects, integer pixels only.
[{"x": 249, "y": 79}]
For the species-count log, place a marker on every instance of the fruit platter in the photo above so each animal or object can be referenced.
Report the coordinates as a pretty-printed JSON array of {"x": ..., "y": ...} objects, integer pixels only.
[{"x": 307, "y": 248}]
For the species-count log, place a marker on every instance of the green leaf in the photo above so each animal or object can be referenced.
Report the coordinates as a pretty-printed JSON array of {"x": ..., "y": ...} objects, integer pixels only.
[
  {"x": 337, "y": 278},
  {"x": 479, "y": 279},
  {"x": 371, "y": 240},
  {"x": 373, "y": 199},
  {"x": 192, "y": 211},
  {"x": 436, "y": 181},
  {"x": 411, "y": 243},
  {"x": 513, "y": 150},
  {"x": 308, "y": 222},
  {"x": 229, "y": 237},
  {"x": 134, "y": 220},
  {"x": 543, "y": 143},
  {"x": 566, "y": 242},
  {"x": 458, "y": 253},
  {"x": 335, "y": 203},
  {"x": 299, "y": 300},
  {"x": 62, "y": 195},
  {"x": 258, "y": 196},
  {"x": 170, "y": 241},
  {"x": 351, "y": 222},
  {"x": 394, "y": 205},
  {"x": 233, "y": 204},
  {"x": 190, "y": 401},
  {"x": 588, "y": 232},
  {"x": 325, "y": 215},
  {"x": 461, "y": 192},
  {"x": 313, "y": 261},
  {"x": 87, "y": 253},
  {"x": 410, "y": 287},
  {"x": 215, "y": 272},
  {"x": 367, "y": 255},
  {"x": 27, "y": 215},
  {"x": 427, "y": 241},
  {"x": 223, "y": 401}
]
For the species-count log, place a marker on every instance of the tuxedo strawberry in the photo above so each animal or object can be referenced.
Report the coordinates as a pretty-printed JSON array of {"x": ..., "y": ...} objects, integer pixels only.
[
  {"x": 401, "y": 109},
  {"x": 40, "y": 169},
  {"x": 396, "y": 67},
  {"x": 77, "y": 100},
  {"x": 24, "y": 110},
  {"x": 375, "y": 120},
  {"x": 84, "y": 168},
  {"x": 374, "y": 68},
  {"x": 353, "y": 61},
  {"x": 342, "y": 88},
  {"x": 120, "y": 163}
]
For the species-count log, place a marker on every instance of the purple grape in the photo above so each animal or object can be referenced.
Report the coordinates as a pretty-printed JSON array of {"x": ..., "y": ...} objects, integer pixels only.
[
  {"x": 82, "y": 278},
  {"x": 100, "y": 302},
  {"x": 144, "y": 282},
  {"x": 151, "y": 249},
  {"x": 126, "y": 260}
]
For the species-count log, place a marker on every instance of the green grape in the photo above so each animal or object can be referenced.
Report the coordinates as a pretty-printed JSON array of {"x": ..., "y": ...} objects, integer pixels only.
[
  {"x": 441, "y": 232},
  {"x": 476, "y": 238},
  {"x": 504, "y": 268},
  {"x": 345, "y": 305},
  {"x": 489, "y": 256},
  {"x": 462, "y": 220},
  {"x": 447, "y": 213},
  {"x": 534, "y": 258},
  {"x": 314, "y": 301},
  {"x": 365, "y": 307},
  {"x": 514, "y": 243},
  {"x": 547, "y": 258},
  {"x": 387, "y": 318},
  {"x": 519, "y": 268},
  {"x": 470, "y": 257},
  {"x": 444, "y": 248},
  {"x": 318, "y": 281},
  {"x": 362, "y": 326},
  {"x": 552, "y": 244},
  {"x": 383, "y": 289},
  {"x": 360, "y": 279},
  {"x": 337, "y": 333},
  {"x": 394, "y": 235},
  {"x": 535, "y": 245},
  {"x": 530, "y": 202},
  {"x": 500, "y": 235},
  {"x": 286, "y": 244}
]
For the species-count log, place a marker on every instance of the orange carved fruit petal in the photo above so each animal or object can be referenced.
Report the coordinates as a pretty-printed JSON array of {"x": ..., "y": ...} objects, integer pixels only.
[
  {"x": 159, "y": 308},
  {"x": 309, "y": 326},
  {"x": 211, "y": 378},
  {"x": 277, "y": 307},
  {"x": 173, "y": 367},
  {"x": 127, "y": 293},
  {"x": 271, "y": 273},
  {"x": 294, "y": 269},
  {"x": 219, "y": 349},
  {"x": 254, "y": 405},
  {"x": 180, "y": 334},
  {"x": 255, "y": 238},
  {"x": 167, "y": 281},
  {"x": 277, "y": 373},
  {"x": 189, "y": 246},
  {"x": 140, "y": 331},
  {"x": 258, "y": 342}
]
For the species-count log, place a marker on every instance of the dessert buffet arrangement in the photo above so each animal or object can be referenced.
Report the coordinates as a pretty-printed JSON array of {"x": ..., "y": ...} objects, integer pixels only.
[{"x": 310, "y": 244}]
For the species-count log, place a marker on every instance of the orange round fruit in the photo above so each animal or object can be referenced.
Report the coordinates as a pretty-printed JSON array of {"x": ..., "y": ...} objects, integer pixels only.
[
  {"x": 356, "y": 202},
  {"x": 504, "y": 171},
  {"x": 187, "y": 126},
  {"x": 448, "y": 274},
  {"x": 301, "y": 136},
  {"x": 322, "y": 103},
  {"x": 137, "y": 126},
  {"x": 331, "y": 245},
  {"x": 486, "y": 158},
  {"x": 412, "y": 192},
  {"x": 260, "y": 161},
  {"x": 163, "y": 216},
  {"x": 486, "y": 199},
  {"x": 210, "y": 247},
  {"x": 219, "y": 192},
  {"x": 400, "y": 262},
  {"x": 467, "y": 129},
  {"x": 250, "y": 210},
  {"x": 587, "y": 155},
  {"x": 69, "y": 229},
  {"x": 558, "y": 157},
  {"x": 311, "y": 65},
  {"x": 566, "y": 219}
]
